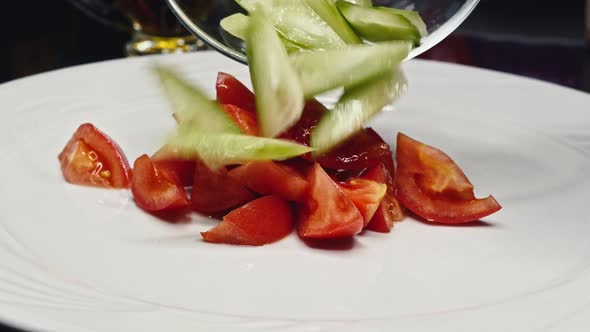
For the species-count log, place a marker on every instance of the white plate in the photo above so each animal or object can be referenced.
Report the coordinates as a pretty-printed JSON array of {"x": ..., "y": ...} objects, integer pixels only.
[{"x": 82, "y": 259}]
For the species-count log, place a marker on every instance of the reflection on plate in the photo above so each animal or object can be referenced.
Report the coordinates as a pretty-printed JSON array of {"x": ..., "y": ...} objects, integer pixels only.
[{"x": 84, "y": 259}]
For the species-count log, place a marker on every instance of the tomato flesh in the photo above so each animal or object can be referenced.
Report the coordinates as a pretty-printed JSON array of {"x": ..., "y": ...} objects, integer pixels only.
[
  {"x": 366, "y": 195},
  {"x": 300, "y": 132},
  {"x": 363, "y": 150},
  {"x": 262, "y": 221},
  {"x": 431, "y": 185},
  {"x": 155, "y": 189},
  {"x": 268, "y": 177},
  {"x": 215, "y": 192},
  {"x": 327, "y": 212},
  {"x": 231, "y": 91},
  {"x": 92, "y": 158},
  {"x": 389, "y": 211},
  {"x": 244, "y": 119}
]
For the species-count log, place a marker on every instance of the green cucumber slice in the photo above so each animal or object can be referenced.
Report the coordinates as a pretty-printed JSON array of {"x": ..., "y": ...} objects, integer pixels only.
[
  {"x": 362, "y": 3},
  {"x": 327, "y": 10},
  {"x": 378, "y": 23},
  {"x": 219, "y": 149},
  {"x": 297, "y": 22},
  {"x": 237, "y": 26},
  {"x": 412, "y": 16},
  {"x": 346, "y": 67},
  {"x": 190, "y": 104},
  {"x": 279, "y": 95},
  {"x": 354, "y": 108}
]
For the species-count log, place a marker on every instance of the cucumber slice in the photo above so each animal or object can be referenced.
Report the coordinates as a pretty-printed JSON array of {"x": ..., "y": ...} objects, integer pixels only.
[
  {"x": 378, "y": 23},
  {"x": 191, "y": 105},
  {"x": 219, "y": 149},
  {"x": 412, "y": 16},
  {"x": 362, "y": 3},
  {"x": 347, "y": 67},
  {"x": 237, "y": 26},
  {"x": 354, "y": 108},
  {"x": 279, "y": 95},
  {"x": 327, "y": 10},
  {"x": 297, "y": 22}
]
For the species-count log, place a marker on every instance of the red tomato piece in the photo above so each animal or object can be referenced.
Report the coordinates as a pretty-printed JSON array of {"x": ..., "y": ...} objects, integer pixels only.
[
  {"x": 366, "y": 195},
  {"x": 262, "y": 221},
  {"x": 233, "y": 92},
  {"x": 327, "y": 213},
  {"x": 92, "y": 158},
  {"x": 183, "y": 170},
  {"x": 389, "y": 210},
  {"x": 244, "y": 119},
  {"x": 431, "y": 185},
  {"x": 301, "y": 131},
  {"x": 363, "y": 150},
  {"x": 267, "y": 177},
  {"x": 215, "y": 192},
  {"x": 155, "y": 189}
]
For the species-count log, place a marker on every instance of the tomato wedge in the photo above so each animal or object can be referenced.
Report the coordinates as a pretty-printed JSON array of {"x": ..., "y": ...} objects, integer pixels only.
[
  {"x": 431, "y": 185},
  {"x": 300, "y": 132},
  {"x": 363, "y": 150},
  {"x": 366, "y": 195},
  {"x": 215, "y": 192},
  {"x": 231, "y": 91},
  {"x": 244, "y": 119},
  {"x": 92, "y": 158},
  {"x": 327, "y": 212},
  {"x": 268, "y": 177},
  {"x": 389, "y": 210},
  {"x": 156, "y": 189},
  {"x": 262, "y": 221}
]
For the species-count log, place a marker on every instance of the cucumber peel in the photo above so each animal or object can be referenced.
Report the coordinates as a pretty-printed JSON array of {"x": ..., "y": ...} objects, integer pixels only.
[
  {"x": 219, "y": 149},
  {"x": 278, "y": 91},
  {"x": 346, "y": 67},
  {"x": 354, "y": 108},
  {"x": 378, "y": 23},
  {"x": 191, "y": 105},
  {"x": 297, "y": 22},
  {"x": 327, "y": 11}
]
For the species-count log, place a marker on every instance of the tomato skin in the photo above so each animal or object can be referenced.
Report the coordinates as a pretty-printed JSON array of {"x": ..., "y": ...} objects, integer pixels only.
[
  {"x": 244, "y": 119},
  {"x": 262, "y": 221},
  {"x": 215, "y": 192},
  {"x": 92, "y": 158},
  {"x": 363, "y": 150},
  {"x": 156, "y": 189},
  {"x": 389, "y": 210},
  {"x": 231, "y": 91},
  {"x": 365, "y": 194},
  {"x": 431, "y": 185},
  {"x": 268, "y": 177},
  {"x": 327, "y": 213}
]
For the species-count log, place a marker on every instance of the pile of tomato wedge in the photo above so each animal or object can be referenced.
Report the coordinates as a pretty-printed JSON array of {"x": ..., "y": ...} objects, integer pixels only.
[{"x": 353, "y": 187}]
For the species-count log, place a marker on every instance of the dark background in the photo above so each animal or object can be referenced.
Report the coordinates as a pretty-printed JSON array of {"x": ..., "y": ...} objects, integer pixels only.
[{"x": 534, "y": 38}]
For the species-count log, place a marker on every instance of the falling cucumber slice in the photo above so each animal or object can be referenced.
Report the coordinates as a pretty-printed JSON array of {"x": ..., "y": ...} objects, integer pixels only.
[
  {"x": 237, "y": 26},
  {"x": 279, "y": 95},
  {"x": 412, "y": 16},
  {"x": 297, "y": 22},
  {"x": 219, "y": 149},
  {"x": 191, "y": 105},
  {"x": 354, "y": 108},
  {"x": 378, "y": 23},
  {"x": 346, "y": 67},
  {"x": 327, "y": 10},
  {"x": 362, "y": 3}
]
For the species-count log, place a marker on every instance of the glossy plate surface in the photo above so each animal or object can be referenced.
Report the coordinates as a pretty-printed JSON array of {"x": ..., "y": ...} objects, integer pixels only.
[{"x": 82, "y": 259}]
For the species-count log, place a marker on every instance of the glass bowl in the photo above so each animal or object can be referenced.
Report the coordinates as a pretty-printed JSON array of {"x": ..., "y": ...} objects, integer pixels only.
[{"x": 442, "y": 17}]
